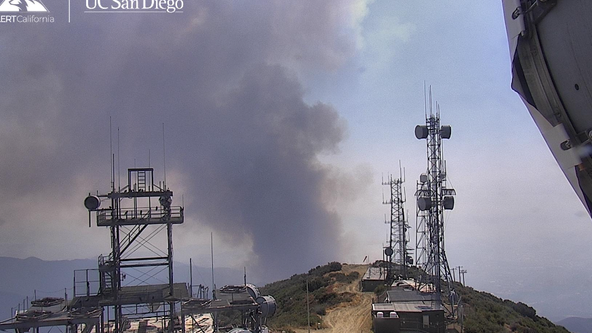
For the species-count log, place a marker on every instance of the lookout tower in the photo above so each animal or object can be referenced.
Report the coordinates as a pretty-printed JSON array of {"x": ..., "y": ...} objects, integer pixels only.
[{"x": 140, "y": 217}]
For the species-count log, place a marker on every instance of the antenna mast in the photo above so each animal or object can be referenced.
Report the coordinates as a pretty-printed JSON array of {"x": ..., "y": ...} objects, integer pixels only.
[
  {"x": 111, "y": 156},
  {"x": 397, "y": 252},
  {"x": 433, "y": 198},
  {"x": 163, "y": 156}
]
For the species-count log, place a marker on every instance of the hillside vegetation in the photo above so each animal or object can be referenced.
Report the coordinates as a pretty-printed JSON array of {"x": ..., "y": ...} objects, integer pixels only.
[
  {"x": 290, "y": 296},
  {"x": 484, "y": 313}
]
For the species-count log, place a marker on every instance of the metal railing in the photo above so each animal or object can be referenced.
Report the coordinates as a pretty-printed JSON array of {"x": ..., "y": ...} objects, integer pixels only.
[{"x": 149, "y": 215}]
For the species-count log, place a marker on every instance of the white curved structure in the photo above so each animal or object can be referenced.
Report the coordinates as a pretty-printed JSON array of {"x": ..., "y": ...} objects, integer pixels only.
[{"x": 551, "y": 49}]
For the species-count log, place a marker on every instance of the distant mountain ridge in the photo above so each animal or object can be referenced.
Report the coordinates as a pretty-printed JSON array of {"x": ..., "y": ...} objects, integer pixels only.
[
  {"x": 577, "y": 324},
  {"x": 23, "y": 276}
]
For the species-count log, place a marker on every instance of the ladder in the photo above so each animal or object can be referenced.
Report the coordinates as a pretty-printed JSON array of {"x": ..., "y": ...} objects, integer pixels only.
[{"x": 141, "y": 180}]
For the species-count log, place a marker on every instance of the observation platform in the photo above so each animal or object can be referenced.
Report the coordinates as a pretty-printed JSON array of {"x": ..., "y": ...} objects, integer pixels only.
[
  {"x": 140, "y": 215},
  {"x": 131, "y": 295}
]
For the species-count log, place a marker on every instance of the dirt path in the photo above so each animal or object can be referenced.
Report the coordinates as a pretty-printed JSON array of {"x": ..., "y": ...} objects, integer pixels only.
[{"x": 353, "y": 317}]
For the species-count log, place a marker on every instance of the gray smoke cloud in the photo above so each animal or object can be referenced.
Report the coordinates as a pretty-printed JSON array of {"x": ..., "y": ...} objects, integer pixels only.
[{"x": 223, "y": 77}]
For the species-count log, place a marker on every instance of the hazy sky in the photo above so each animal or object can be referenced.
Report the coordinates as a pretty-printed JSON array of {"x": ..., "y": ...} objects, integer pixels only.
[{"x": 281, "y": 118}]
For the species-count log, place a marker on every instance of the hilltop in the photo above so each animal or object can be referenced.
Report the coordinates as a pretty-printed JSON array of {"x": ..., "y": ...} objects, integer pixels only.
[
  {"x": 337, "y": 305},
  {"x": 486, "y": 313}
]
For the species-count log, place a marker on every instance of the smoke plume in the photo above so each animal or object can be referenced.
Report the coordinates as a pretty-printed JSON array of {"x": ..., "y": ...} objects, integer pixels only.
[{"x": 225, "y": 78}]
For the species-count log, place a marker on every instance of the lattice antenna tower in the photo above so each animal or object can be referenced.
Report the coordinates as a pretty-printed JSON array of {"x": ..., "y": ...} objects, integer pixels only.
[
  {"x": 136, "y": 215},
  {"x": 433, "y": 198},
  {"x": 397, "y": 251}
]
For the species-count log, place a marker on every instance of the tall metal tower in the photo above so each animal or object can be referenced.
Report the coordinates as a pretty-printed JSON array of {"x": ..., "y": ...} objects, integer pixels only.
[
  {"x": 397, "y": 251},
  {"x": 136, "y": 214},
  {"x": 433, "y": 198}
]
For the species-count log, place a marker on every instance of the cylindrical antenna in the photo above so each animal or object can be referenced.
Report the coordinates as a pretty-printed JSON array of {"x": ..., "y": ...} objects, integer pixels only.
[
  {"x": 431, "y": 111},
  {"x": 118, "y": 169},
  {"x": 111, "y": 158},
  {"x": 212, "y": 252},
  {"x": 403, "y": 174},
  {"x": 190, "y": 278},
  {"x": 425, "y": 100},
  {"x": 164, "y": 156}
]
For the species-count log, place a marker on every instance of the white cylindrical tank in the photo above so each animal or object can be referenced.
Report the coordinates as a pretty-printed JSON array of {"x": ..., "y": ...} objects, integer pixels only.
[
  {"x": 253, "y": 291},
  {"x": 267, "y": 305}
]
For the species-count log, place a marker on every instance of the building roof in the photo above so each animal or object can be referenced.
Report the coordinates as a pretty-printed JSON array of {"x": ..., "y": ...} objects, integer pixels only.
[
  {"x": 407, "y": 300},
  {"x": 375, "y": 273},
  {"x": 417, "y": 307},
  {"x": 384, "y": 307},
  {"x": 407, "y": 295}
]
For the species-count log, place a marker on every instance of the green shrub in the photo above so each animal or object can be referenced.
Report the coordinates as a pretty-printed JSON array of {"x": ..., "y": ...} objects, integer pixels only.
[
  {"x": 315, "y": 283},
  {"x": 322, "y": 270},
  {"x": 380, "y": 290},
  {"x": 525, "y": 310}
]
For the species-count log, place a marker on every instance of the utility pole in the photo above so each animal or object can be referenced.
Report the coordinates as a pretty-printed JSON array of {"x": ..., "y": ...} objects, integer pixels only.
[
  {"x": 463, "y": 271},
  {"x": 307, "y": 306},
  {"x": 458, "y": 269}
]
